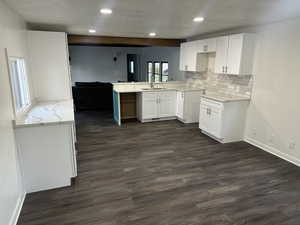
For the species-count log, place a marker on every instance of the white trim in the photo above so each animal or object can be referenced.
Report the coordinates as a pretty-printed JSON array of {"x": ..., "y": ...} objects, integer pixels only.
[
  {"x": 17, "y": 210},
  {"x": 273, "y": 151}
]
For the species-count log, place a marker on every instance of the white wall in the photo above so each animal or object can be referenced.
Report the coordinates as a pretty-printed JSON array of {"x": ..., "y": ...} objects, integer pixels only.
[
  {"x": 274, "y": 114},
  {"x": 12, "y": 30},
  {"x": 95, "y": 63}
]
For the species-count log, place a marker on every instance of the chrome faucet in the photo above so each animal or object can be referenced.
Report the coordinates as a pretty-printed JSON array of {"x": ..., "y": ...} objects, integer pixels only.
[{"x": 152, "y": 84}]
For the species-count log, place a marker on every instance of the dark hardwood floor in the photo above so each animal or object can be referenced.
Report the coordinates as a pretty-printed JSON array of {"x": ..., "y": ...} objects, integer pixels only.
[{"x": 167, "y": 173}]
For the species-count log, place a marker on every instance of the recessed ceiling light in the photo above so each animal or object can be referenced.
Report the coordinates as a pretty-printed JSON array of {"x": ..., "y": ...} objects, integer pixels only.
[
  {"x": 92, "y": 31},
  {"x": 152, "y": 34},
  {"x": 106, "y": 11},
  {"x": 198, "y": 19}
]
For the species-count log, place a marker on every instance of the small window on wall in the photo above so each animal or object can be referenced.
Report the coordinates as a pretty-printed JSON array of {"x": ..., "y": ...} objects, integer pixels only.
[
  {"x": 157, "y": 72},
  {"x": 150, "y": 71},
  {"x": 19, "y": 84},
  {"x": 165, "y": 71},
  {"x": 131, "y": 67}
]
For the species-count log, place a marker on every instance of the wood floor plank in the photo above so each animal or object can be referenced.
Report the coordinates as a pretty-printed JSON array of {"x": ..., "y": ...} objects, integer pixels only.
[{"x": 167, "y": 173}]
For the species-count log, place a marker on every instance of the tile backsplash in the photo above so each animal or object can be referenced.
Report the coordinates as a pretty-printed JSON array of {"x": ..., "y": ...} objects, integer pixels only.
[{"x": 226, "y": 84}]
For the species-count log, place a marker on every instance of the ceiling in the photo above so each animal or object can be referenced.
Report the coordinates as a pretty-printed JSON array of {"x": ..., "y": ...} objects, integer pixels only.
[{"x": 136, "y": 18}]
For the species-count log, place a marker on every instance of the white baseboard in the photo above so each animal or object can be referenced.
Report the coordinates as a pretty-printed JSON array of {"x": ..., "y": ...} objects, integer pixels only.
[
  {"x": 17, "y": 211},
  {"x": 273, "y": 151}
]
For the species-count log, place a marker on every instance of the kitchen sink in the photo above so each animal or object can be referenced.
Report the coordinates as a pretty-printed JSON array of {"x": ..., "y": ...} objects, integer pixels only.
[{"x": 148, "y": 89}]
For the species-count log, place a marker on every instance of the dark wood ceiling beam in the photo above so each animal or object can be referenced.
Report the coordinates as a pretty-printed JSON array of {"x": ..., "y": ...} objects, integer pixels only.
[{"x": 106, "y": 40}]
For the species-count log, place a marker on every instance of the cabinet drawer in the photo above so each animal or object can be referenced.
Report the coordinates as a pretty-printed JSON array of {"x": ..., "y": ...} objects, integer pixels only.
[
  {"x": 149, "y": 95},
  {"x": 211, "y": 103}
]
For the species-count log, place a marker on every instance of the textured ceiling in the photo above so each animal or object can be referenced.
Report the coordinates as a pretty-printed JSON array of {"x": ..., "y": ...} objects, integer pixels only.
[{"x": 136, "y": 18}]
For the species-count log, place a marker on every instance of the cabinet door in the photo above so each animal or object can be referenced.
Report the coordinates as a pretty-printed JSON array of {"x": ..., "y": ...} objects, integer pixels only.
[
  {"x": 167, "y": 104},
  {"x": 180, "y": 104},
  {"x": 209, "y": 45},
  {"x": 215, "y": 122},
  {"x": 150, "y": 105},
  {"x": 221, "y": 54},
  {"x": 234, "y": 57},
  {"x": 191, "y": 56},
  {"x": 202, "y": 46},
  {"x": 188, "y": 56},
  {"x": 204, "y": 118},
  {"x": 183, "y": 56}
]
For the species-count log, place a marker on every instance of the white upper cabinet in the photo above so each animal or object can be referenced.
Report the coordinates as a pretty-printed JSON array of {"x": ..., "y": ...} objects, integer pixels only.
[
  {"x": 221, "y": 54},
  {"x": 190, "y": 57},
  {"x": 234, "y": 54},
  {"x": 49, "y": 65},
  {"x": 207, "y": 45}
]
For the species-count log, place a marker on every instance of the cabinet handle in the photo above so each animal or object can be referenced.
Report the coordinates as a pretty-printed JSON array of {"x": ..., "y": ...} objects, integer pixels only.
[
  {"x": 226, "y": 69},
  {"x": 205, "y": 47},
  {"x": 208, "y": 111}
]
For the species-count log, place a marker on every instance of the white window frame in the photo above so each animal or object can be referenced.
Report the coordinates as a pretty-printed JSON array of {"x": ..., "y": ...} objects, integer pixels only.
[{"x": 18, "y": 89}]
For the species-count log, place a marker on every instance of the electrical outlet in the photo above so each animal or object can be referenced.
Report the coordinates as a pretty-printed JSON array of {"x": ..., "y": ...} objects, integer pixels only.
[{"x": 292, "y": 145}]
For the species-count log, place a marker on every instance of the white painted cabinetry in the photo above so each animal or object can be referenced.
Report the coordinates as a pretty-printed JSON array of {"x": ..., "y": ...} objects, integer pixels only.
[
  {"x": 234, "y": 54},
  {"x": 223, "y": 121},
  {"x": 207, "y": 45},
  {"x": 47, "y": 156},
  {"x": 190, "y": 57},
  {"x": 187, "y": 110},
  {"x": 221, "y": 54},
  {"x": 49, "y": 65},
  {"x": 156, "y": 105}
]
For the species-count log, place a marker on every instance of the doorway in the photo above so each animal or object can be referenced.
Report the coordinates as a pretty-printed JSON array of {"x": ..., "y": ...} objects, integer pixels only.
[{"x": 132, "y": 67}]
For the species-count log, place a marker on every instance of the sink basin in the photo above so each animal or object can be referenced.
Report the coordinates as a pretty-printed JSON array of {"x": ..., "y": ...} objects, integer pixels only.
[{"x": 149, "y": 89}]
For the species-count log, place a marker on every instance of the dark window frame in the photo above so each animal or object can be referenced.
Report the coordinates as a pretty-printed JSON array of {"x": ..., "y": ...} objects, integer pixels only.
[
  {"x": 152, "y": 72},
  {"x": 160, "y": 71},
  {"x": 164, "y": 62}
]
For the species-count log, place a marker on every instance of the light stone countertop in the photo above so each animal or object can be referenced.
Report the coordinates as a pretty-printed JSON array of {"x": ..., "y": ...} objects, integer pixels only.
[
  {"x": 46, "y": 113},
  {"x": 145, "y": 87},
  {"x": 139, "y": 88},
  {"x": 224, "y": 97}
]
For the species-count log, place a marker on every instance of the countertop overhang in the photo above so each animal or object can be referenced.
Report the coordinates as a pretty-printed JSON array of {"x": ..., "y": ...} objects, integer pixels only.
[{"x": 47, "y": 113}]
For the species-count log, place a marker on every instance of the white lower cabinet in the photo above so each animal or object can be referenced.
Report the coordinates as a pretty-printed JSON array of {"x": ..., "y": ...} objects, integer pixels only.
[
  {"x": 156, "y": 105},
  {"x": 187, "y": 110},
  {"x": 223, "y": 121}
]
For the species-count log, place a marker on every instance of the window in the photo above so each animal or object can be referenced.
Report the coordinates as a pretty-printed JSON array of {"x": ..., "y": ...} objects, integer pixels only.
[
  {"x": 157, "y": 72},
  {"x": 19, "y": 84},
  {"x": 165, "y": 71},
  {"x": 131, "y": 67},
  {"x": 150, "y": 71}
]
